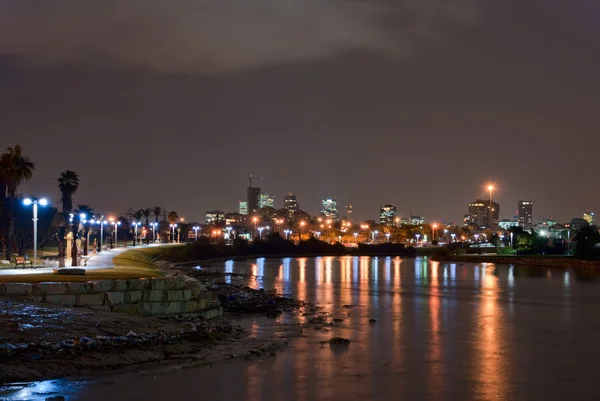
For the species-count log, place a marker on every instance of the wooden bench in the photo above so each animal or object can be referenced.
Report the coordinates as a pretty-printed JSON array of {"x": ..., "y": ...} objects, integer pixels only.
[{"x": 21, "y": 260}]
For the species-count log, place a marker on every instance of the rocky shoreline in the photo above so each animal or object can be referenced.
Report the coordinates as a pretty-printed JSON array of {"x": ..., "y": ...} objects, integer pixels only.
[{"x": 46, "y": 341}]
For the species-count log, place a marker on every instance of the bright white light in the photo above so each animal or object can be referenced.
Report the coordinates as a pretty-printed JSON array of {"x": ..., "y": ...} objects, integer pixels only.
[
  {"x": 83, "y": 215},
  {"x": 43, "y": 202},
  {"x": 27, "y": 201}
]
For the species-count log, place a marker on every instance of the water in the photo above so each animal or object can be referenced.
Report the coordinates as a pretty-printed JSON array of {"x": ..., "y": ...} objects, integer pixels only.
[{"x": 443, "y": 332}]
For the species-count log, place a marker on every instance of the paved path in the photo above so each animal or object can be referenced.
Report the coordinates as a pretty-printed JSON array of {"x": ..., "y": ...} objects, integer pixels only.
[{"x": 102, "y": 260}]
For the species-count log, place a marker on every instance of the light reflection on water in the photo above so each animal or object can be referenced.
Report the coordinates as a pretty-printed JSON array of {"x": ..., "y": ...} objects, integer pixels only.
[{"x": 443, "y": 331}]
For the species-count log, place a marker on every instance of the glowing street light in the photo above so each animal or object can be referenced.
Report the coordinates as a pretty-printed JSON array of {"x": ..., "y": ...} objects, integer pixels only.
[
  {"x": 453, "y": 235},
  {"x": 387, "y": 237},
  {"x": 116, "y": 224},
  {"x": 260, "y": 230},
  {"x": 153, "y": 225},
  {"x": 356, "y": 237},
  {"x": 35, "y": 202},
  {"x": 318, "y": 234},
  {"x": 287, "y": 233},
  {"x": 418, "y": 236},
  {"x": 173, "y": 227},
  {"x": 433, "y": 227},
  {"x": 196, "y": 228},
  {"x": 373, "y": 234},
  {"x": 135, "y": 224}
]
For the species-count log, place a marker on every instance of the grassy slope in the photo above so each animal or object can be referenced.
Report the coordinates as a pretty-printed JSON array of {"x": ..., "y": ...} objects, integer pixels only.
[{"x": 134, "y": 263}]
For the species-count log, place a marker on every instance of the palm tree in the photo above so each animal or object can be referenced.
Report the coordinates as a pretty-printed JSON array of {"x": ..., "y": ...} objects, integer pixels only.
[
  {"x": 157, "y": 210},
  {"x": 147, "y": 212},
  {"x": 173, "y": 217},
  {"x": 68, "y": 183},
  {"x": 88, "y": 212},
  {"x": 14, "y": 169}
]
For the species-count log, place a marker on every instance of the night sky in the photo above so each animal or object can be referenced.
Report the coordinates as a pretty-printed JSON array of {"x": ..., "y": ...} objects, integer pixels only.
[{"x": 422, "y": 102}]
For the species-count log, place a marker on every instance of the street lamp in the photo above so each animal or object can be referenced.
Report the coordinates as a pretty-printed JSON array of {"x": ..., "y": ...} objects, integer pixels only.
[
  {"x": 356, "y": 237},
  {"x": 318, "y": 234},
  {"x": 418, "y": 236},
  {"x": 116, "y": 224},
  {"x": 35, "y": 203},
  {"x": 173, "y": 227},
  {"x": 387, "y": 237},
  {"x": 287, "y": 233},
  {"x": 453, "y": 235},
  {"x": 135, "y": 224},
  {"x": 153, "y": 225},
  {"x": 196, "y": 228},
  {"x": 260, "y": 230},
  {"x": 476, "y": 237},
  {"x": 374, "y": 233},
  {"x": 102, "y": 223}
]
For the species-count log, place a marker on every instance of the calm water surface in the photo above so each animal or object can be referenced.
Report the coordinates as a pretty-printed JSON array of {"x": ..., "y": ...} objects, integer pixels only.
[{"x": 443, "y": 332}]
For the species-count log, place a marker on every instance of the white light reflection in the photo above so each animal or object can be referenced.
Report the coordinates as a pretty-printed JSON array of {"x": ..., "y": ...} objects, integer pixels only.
[{"x": 228, "y": 269}]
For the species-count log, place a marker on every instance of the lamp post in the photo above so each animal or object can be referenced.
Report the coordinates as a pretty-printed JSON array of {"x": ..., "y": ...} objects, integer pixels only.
[
  {"x": 318, "y": 234},
  {"x": 476, "y": 237},
  {"x": 433, "y": 227},
  {"x": 35, "y": 203},
  {"x": 116, "y": 224},
  {"x": 196, "y": 228},
  {"x": 418, "y": 236},
  {"x": 356, "y": 237},
  {"x": 102, "y": 223},
  {"x": 387, "y": 237},
  {"x": 173, "y": 226},
  {"x": 135, "y": 236},
  {"x": 511, "y": 239},
  {"x": 153, "y": 225},
  {"x": 453, "y": 235},
  {"x": 260, "y": 230},
  {"x": 287, "y": 233},
  {"x": 373, "y": 234}
]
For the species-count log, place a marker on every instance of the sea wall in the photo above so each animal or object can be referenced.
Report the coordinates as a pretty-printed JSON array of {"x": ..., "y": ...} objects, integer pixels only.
[
  {"x": 542, "y": 261},
  {"x": 161, "y": 296}
]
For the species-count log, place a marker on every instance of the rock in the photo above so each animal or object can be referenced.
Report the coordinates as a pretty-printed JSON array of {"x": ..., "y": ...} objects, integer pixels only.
[
  {"x": 372, "y": 320},
  {"x": 64, "y": 300},
  {"x": 22, "y": 289}
]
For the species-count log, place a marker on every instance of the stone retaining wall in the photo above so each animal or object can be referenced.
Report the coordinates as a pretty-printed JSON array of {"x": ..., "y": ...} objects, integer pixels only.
[
  {"x": 541, "y": 261},
  {"x": 162, "y": 296}
]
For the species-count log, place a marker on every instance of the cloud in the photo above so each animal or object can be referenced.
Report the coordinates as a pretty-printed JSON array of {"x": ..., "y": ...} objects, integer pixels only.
[{"x": 207, "y": 36}]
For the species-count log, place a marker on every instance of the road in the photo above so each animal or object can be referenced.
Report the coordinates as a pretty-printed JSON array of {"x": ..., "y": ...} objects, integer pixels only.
[{"x": 102, "y": 260}]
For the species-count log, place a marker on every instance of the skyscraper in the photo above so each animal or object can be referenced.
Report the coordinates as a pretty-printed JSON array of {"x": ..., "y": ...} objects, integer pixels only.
[
  {"x": 291, "y": 204},
  {"x": 330, "y": 210},
  {"x": 253, "y": 194},
  {"x": 387, "y": 215},
  {"x": 214, "y": 216},
  {"x": 481, "y": 215},
  {"x": 525, "y": 215},
  {"x": 244, "y": 208},
  {"x": 264, "y": 200}
]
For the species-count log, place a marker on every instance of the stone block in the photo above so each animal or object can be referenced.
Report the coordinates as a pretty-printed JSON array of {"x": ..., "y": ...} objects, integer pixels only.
[
  {"x": 101, "y": 285},
  {"x": 174, "y": 308},
  {"x": 90, "y": 299},
  {"x": 202, "y": 304},
  {"x": 70, "y": 271},
  {"x": 21, "y": 289},
  {"x": 181, "y": 280},
  {"x": 51, "y": 288},
  {"x": 115, "y": 298},
  {"x": 61, "y": 299},
  {"x": 2, "y": 289},
  {"x": 132, "y": 297},
  {"x": 79, "y": 288},
  {"x": 191, "y": 306},
  {"x": 187, "y": 295},
  {"x": 153, "y": 295},
  {"x": 170, "y": 283},
  {"x": 120, "y": 285},
  {"x": 136, "y": 284},
  {"x": 174, "y": 295},
  {"x": 195, "y": 292},
  {"x": 157, "y": 284},
  {"x": 145, "y": 308}
]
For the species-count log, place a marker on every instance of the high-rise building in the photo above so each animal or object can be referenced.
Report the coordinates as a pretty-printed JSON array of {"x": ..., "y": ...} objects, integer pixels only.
[
  {"x": 508, "y": 223},
  {"x": 253, "y": 194},
  {"x": 481, "y": 214},
  {"x": 214, "y": 216},
  {"x": 291, "y": 204},
  {"x": 416, "y": 220},
  {"x": 330, "y": 209},
  {"x": 264, "y": 200},
  {"x": 387, "y": 215},
  {"x": 589, "y": 217},
  {"x": 525, "y": 214},
  {"x": 244, "y": 208}
]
